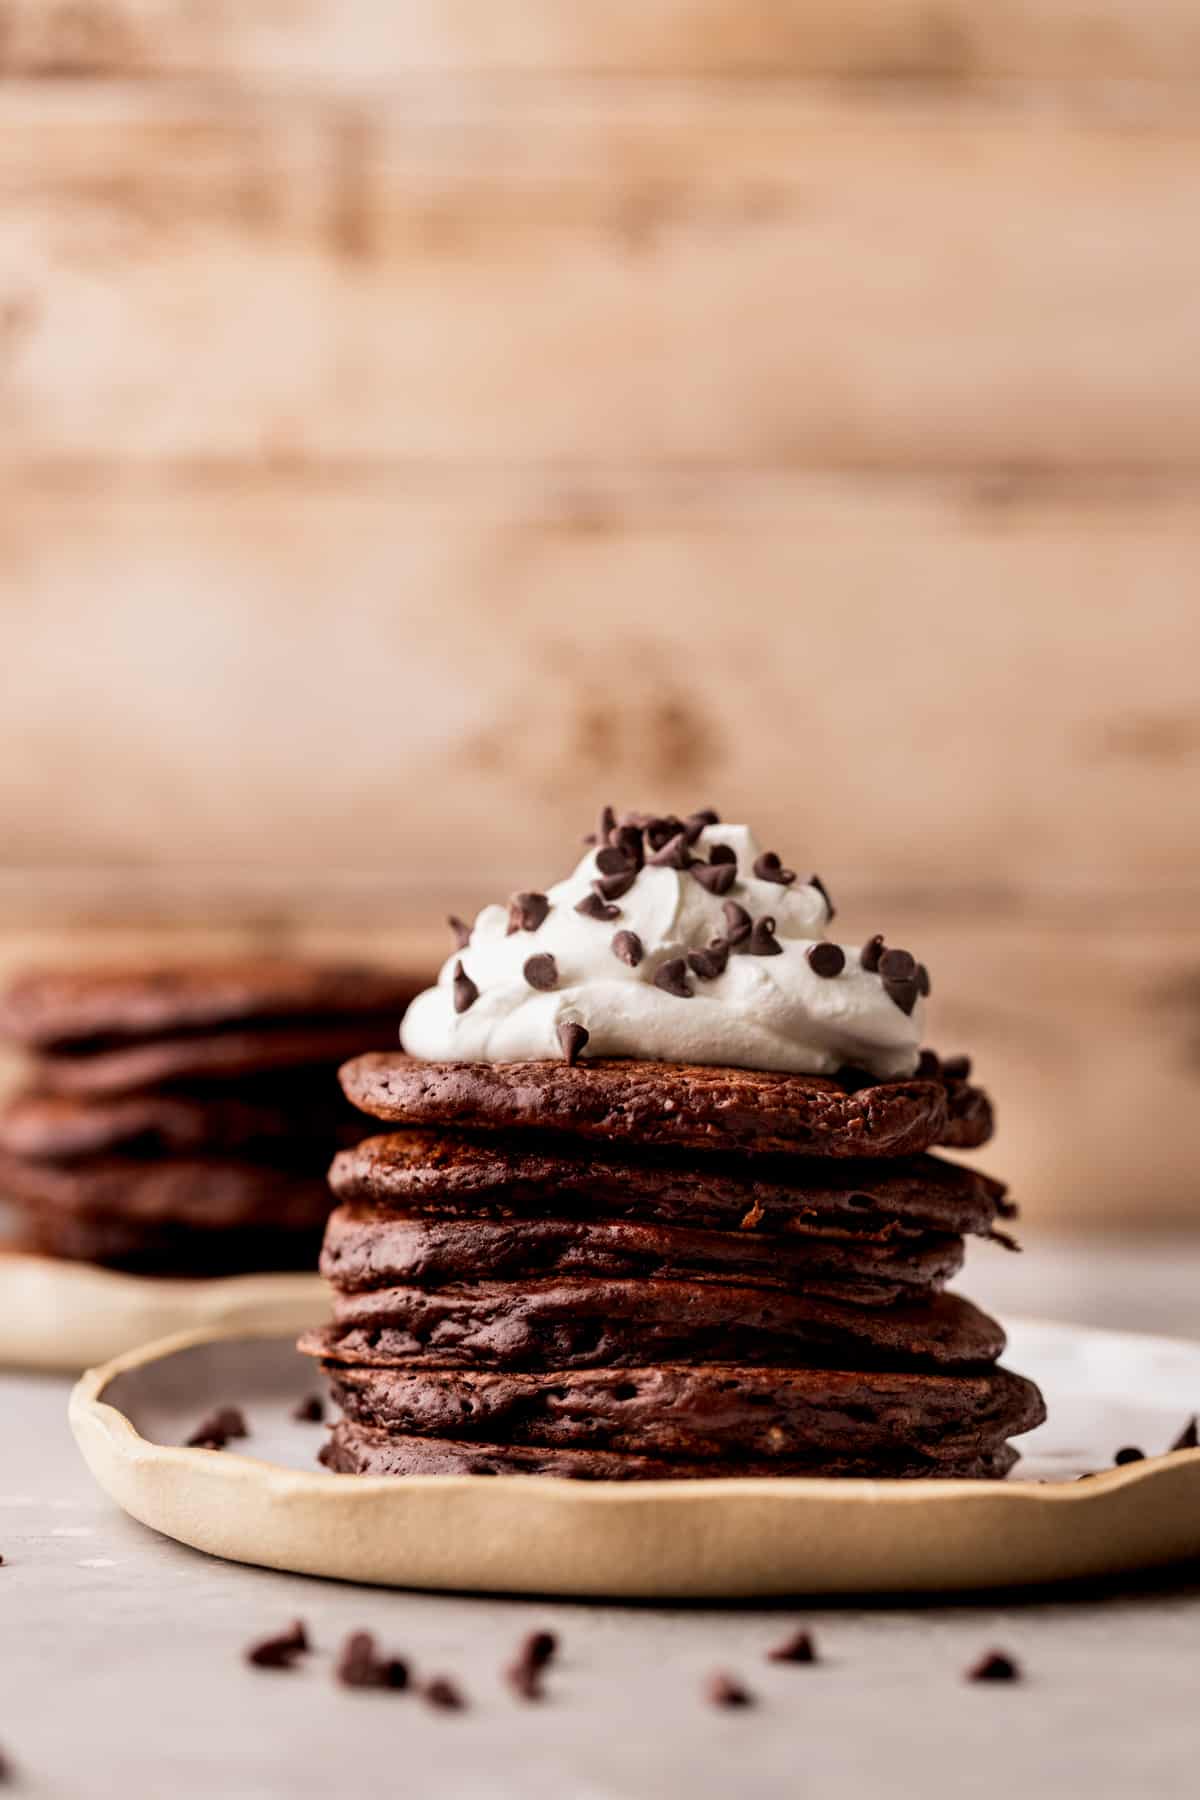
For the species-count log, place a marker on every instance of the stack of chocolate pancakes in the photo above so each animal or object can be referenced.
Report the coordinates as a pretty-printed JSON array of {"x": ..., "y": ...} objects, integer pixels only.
[
  {"x": 621, "y": 1269},
  {"x": 179, "y": 1120}
]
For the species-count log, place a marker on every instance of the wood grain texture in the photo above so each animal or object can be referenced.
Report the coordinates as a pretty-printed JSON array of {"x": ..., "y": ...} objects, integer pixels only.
[
  {"x": 692, "y": 274},
  {"x": 364, "y": 41},
  {"x": 435, "y": 678}
]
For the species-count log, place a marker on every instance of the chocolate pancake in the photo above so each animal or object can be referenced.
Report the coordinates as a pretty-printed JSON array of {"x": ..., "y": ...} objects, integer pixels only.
[
  {"x": 218, "y": 1056},
  {"x": 496, "y": 1176},
  {"x": 579, "y": 1324},
  {"x": 357, "y": 1450},
  {"x": 252, "y": 1117},
  {"x": 659, "y": 1105},
  {"x": 53, "y": 1008},
  {"x": 366, "y": 1248},
  {"x": 203, "y": 1193},
  {"x": 139, "y": 1247},
  {"x": 716, "y": 1412}
]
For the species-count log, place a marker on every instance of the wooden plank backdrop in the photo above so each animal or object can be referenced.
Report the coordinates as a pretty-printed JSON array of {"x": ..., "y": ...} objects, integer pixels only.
[{"x": 418, "y": 424}]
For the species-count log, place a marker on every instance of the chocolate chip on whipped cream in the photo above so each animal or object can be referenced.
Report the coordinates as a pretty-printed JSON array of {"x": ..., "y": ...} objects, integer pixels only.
[
  {"x": 541, "y": 972},
  {"x": 464, "y": 989},
  {"x": 594, "y": 906},
  {"x": 871, "y": 952},
  {"x": 527, "y": 912},
  {"x": 756, "y": 998},
  {"x": 717, "y": 877},
  {"x": 769, "y": 868},
  {"x": 461, "y": 930},
  {"x": 815, "y": 881},
  {"x": 826, "y": 960}
]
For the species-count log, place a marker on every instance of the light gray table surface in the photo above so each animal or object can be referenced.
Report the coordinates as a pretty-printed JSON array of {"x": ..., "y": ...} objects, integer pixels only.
[{"x": 121, "y": 1668}]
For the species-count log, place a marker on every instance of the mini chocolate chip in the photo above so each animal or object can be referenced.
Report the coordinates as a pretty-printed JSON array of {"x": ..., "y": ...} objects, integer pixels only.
[
  {"x": 661, "y": 831},
  {"x": 924, "y": 985},
  {"x": 957, "y": 1068},
  {"x": 526, "y": 912},
  {"x": 723, "y": 1690},
  {"x": 674, "y": 854},
  {"x": 696, "y": 821},
  {"x": 723, "y": 853},
  {"x": 310, "y": 1410},
  {"x": 831, "y": 909},
  {"x": 465, "y": 991},
  {"x": 902, "y": 994},
  {"x": 769, "y": 868},
  {"x": 629, "y": 839},
  {"x": 738, "y": 923},
  {"x": 538, "y": 1648},
  {"x": 627, "y": 948},
  {"x": 593, "y": 907},
  {"x": 1189, "y": 1437},
  {"x": 611, "y": 861},
  {"x": 281, "y": 1651},
  {"x": 360, "y": 1666},
  {"x": 710, "y": 963},
  {"x": 928, "y": 1066},
  {"x": 524, "y": 1680},
  {"x": 572, "y": 1037},
  {"x": 461, "y": 930},
  {"x": 799, "y": 1648},
  {"x": 442, "y": 1692},
  {"x": 870, "y": 953},
  {"x": 214, "y": 1432},
  {"x": 608, "y": 820},
  {"x": 763, "y": 941},
  {"x": 671, "y": 977},
  {"x": 611, "y": 887},
  {"x": 1130, "y": 1454},
  {"x": 825, "y": 959},
  {"x": 995, "y": 1666},
  {"x": 897, "y": 965},
  {"x": 717, "y": 877},
  {"x": 541, "y": 972}
]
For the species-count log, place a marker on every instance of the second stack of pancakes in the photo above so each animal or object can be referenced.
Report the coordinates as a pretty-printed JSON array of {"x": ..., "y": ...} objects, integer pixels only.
[
  {"x": 178, "y": 1120},
  {"x": 620, "y": 1269}
]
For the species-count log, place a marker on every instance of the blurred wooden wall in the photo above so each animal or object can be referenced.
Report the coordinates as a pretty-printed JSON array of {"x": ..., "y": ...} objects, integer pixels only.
[{"x": 419, "y": 422}]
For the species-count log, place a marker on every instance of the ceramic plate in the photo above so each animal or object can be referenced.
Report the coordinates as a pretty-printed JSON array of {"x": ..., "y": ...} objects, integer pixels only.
[
  {"x": 64, "y": 1316},
  {"x": 266, "y": 1501}
]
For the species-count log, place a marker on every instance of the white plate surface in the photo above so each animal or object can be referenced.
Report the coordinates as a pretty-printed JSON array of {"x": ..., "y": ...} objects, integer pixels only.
[{"x": 266, "y": 1502}]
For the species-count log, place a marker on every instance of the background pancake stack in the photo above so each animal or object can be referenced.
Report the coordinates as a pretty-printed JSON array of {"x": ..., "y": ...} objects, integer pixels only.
[
  {"x": 180, "y": 1120},
  {"x": 626, "y": 1269}
]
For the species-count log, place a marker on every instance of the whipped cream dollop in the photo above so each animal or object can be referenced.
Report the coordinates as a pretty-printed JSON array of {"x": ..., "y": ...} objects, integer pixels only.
[{"x": 532, "y": 969}]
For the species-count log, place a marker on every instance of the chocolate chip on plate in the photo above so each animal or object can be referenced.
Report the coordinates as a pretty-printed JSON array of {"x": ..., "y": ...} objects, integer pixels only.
[
  {"x": 310, "y": 1410},
  {"x": 214, "y": 1432},
  {"x": 443, "y": 1693}
]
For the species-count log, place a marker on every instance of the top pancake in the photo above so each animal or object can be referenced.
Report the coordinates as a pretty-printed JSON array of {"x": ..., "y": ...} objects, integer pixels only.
[
  {"x": 674, "y": 1105},
  {"x": 51, "y": 1008}
]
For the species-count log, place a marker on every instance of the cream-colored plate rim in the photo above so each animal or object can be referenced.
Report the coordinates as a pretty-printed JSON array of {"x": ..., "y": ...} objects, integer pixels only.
[
  {"x": 61, "y": 1316},
  {"x": 667, "y": 1540}
]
